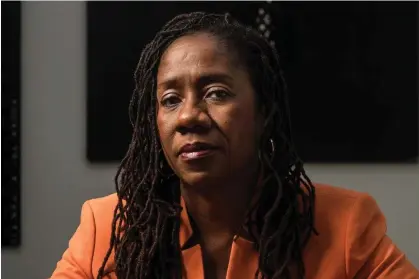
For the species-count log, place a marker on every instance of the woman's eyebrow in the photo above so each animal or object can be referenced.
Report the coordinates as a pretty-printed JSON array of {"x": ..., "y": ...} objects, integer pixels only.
[
  {"x": 203, "y": 80},
  {"x": 209, "y": 78}
]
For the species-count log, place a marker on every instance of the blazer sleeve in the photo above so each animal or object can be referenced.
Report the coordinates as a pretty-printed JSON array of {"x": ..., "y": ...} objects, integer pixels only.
[
  {"x": 369, "y": 252},
  {"x": 76, "y": 262}
]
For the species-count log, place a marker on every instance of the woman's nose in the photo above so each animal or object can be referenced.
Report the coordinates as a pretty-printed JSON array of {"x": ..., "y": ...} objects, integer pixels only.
[{"x": 193, "y": 118}]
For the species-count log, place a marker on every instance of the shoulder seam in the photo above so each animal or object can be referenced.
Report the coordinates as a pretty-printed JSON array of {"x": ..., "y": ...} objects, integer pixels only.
[
  {"x": 94, "y": 237},
  {"x": 348, "y": 221}
]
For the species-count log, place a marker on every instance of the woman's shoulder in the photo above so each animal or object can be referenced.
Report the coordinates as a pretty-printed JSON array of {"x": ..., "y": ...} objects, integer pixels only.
[
  {"x": 90, "y": 242},
  {"x": 344, "y": 219},
  {"x": 111, "y": 199},
  {"x": 104, "y": 202},
  {"x": 329, "y": 192},
  {"x": 339, "y": 202},
  {"x": 352, "y": 235},
  {"x": 102, "y": 214},
  {"x": 102, "y": 209},
  {"x": 340, "y": 207}
]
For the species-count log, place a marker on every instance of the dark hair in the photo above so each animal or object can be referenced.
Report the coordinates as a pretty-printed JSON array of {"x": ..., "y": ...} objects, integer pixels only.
[{"x": 145, "y": 228}]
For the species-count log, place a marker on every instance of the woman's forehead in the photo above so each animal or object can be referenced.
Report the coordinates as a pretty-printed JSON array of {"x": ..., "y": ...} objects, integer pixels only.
[
  {"x": 197, "y": 52},
  {"x": 202, "y": 46}
]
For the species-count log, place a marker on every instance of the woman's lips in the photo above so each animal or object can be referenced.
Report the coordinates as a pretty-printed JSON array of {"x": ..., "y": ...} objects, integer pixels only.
[
  {"x": 196, "y": 150},
  {"x": 196, "y": 154}
]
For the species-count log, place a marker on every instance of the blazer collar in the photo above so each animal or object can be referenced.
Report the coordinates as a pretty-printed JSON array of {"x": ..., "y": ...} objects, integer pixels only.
[{"x": 189, "y": 233}]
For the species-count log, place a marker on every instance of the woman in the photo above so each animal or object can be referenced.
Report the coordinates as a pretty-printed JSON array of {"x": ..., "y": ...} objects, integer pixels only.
[{"x": 211, "y": 185}]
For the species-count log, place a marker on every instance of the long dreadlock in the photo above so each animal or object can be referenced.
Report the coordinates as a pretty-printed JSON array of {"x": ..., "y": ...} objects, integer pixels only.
[{"x": 146, "y": 220}]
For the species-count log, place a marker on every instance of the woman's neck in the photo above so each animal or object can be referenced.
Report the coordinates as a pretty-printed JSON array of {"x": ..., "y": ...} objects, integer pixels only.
[{"x": 219, "y": 209}]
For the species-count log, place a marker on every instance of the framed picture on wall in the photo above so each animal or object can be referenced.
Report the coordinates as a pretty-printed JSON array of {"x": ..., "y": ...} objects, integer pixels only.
[
  {"x": 10, "y": 125},
  {"x": 351, "y": 70}
]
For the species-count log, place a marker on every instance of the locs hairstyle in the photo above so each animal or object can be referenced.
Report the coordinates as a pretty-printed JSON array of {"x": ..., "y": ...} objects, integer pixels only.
[{"x": 145, "y": 228}]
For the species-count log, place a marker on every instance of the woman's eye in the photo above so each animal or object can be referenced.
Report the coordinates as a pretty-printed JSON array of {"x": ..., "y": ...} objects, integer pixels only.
[
  {"x": 218, "y": 94},
  {"x": 170, "y": 101}
]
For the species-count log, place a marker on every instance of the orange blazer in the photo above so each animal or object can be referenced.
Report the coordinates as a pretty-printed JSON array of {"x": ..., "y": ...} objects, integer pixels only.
[{"x": 352, "y": 243}]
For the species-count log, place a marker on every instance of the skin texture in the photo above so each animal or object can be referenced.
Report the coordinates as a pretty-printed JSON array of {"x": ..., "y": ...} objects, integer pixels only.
[{"x": 204, "y": 95}]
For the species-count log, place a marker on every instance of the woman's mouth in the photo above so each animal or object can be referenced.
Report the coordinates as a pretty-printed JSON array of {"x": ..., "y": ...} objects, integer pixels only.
[
  {"x": 196, "y": 154},
  {"x": 196, "y": 151}
]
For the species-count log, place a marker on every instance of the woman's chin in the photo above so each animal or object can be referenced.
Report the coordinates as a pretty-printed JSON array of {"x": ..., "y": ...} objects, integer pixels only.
[{"x": 200, "y": 178}]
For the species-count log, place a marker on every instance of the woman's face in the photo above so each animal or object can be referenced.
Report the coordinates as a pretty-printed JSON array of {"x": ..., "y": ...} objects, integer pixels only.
[{"x": 207, "y": 118}]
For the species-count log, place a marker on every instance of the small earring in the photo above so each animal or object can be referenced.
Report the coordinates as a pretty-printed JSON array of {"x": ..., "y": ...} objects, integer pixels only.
[{"x": 272, "y": 148}]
